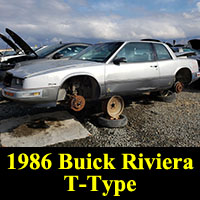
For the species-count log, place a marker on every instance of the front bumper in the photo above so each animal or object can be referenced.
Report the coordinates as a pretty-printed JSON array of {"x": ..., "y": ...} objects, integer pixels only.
[{"x": 31, "y": 96}]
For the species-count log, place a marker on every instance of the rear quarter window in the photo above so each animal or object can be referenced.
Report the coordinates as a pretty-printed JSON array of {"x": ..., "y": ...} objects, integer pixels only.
[{"x": 162, "y": 52}]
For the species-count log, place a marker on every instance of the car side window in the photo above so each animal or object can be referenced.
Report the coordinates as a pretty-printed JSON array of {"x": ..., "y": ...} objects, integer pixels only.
[
  {"x": 71, "y": 51},
  {"x": 136, "y": 52},
  {"x": 162, "y": 52}
]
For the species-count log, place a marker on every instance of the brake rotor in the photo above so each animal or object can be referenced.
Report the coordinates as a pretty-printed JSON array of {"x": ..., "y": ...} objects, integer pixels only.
[
  {"x": 77, "y": 103},
  {"x": 178, "y": 87},
  {"x": 115, "y": 107}
]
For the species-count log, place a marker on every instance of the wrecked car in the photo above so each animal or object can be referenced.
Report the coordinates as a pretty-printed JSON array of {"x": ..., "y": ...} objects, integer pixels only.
[
  {"x": 102, "y": 71},
  {"x": 25, "y": 52},
  {"x": 185, "y": 51},
  {"x": 194, "y": 44}
]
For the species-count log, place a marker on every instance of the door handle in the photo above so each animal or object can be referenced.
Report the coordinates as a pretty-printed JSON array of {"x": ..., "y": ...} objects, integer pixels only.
[{"x": 155, "y": 66}]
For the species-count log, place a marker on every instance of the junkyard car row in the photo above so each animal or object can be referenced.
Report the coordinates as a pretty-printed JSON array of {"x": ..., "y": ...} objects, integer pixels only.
[
  {"x": 104, "y": 71},
  {"x": 25, "y": 53}
]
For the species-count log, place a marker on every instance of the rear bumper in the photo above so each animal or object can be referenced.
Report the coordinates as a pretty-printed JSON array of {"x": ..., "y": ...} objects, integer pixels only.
[
  {"x": 195, "y": 76},
  {"x": 34, "y": 96}
]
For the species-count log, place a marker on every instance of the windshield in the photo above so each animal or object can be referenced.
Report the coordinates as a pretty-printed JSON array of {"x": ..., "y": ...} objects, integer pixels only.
[
  {"x": 43, "y": 52},
  {"x": 9, "y": 53},
  {"x": 99, "y": 52},
  {"x": 185, "y": 49}
]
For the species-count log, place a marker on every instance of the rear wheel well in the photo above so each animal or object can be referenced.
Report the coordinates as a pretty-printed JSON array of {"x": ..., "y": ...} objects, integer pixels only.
[
  {"x": 184, "y": 76},
  {"x": 82, "y": 85}
]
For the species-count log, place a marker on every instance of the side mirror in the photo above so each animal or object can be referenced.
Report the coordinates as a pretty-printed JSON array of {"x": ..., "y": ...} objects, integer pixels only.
[
  {"x": 58, "y": 56},
  {"x": 117, "y": 61}
]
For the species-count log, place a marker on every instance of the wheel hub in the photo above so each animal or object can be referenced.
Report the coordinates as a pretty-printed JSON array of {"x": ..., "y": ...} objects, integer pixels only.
[
  {"x": 77, "y": 103},
  {"x": 178, "y": 87}
]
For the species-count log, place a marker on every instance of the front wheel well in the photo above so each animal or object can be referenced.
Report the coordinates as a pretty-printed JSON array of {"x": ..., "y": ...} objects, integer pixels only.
[
  {"x": 184, "y": 76},
  {"x": 83, "y": 85}
]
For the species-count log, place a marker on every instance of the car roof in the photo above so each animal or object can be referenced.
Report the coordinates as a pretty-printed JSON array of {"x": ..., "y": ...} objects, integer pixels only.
[
  {"x": 76, "y": 43},
  {"x": 129, "y": 41}
]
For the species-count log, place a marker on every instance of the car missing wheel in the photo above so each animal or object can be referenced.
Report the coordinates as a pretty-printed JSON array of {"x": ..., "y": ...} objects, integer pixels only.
[{"x": 100, "y": 72}]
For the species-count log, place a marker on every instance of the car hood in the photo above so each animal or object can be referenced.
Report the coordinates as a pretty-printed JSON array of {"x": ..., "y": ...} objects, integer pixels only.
[
  {"x": 23, "y": 45},
  {"x": 10, "y": 43},
  {"x": 48, "y": 66},
  {"x": 7, "y": 58}
]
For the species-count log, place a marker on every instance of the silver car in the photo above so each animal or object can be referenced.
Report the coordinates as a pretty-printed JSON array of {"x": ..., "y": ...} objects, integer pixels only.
[{"x": 101, "y": 71}]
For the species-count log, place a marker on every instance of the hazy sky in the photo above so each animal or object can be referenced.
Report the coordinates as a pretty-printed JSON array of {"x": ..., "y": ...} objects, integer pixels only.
[{"x": 45, "y": 21}]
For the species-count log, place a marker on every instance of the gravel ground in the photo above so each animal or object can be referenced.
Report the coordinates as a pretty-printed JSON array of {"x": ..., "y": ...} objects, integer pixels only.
[{"x": 151, "y": 123}]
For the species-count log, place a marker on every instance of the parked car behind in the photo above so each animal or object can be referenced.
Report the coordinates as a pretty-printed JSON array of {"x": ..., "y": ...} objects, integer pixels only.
[
  {"x": 56, "y": 51},
  {"x": 185, "y": 51},
  {"x": 99, "y": 72}
]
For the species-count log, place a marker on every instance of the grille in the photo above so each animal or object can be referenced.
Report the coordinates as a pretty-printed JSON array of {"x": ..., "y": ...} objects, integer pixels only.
[{"x": 7, "y": 80}]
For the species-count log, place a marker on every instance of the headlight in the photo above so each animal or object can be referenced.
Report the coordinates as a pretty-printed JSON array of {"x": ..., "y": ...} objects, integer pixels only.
[{"x": 18, "y": 81}]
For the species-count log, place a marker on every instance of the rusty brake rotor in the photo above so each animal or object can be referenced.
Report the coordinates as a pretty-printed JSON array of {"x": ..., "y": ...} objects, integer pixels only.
[
  {"x": 77, "y": 103},
  {"x": 178, "y": 87}
]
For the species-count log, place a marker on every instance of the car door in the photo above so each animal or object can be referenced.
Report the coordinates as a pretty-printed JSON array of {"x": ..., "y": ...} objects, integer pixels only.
[
  {"x": 139, "y": 71},
  {"x": 166, "y": 66}
]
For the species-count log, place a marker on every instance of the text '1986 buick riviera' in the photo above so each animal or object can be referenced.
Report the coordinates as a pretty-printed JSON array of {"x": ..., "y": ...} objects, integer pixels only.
[{"x": 100, "y": 72}]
